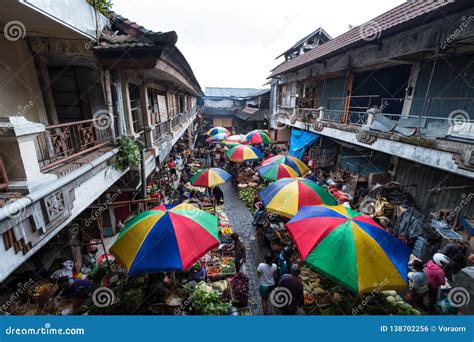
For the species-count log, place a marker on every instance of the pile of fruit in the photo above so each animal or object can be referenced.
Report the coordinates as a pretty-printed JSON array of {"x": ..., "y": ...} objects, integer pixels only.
[{"x": 247, "y": 194}]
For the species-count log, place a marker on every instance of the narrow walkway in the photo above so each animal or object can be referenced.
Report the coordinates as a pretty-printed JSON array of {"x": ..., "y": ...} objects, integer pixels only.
[{"x": 240, "y": 220}]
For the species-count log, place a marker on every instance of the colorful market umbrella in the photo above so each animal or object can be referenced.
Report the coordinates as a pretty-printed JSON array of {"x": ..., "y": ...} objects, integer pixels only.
[
  {"x": 238, "y": 138},
  {"x": 231, "y": 143},
  {"x": 291, "y": 161},
  {"x": 166, "y": 240},
  {"x": 241, "y": 153},
  {"x": 209, "y": 178},
  {"x": 350, "y": 248},
  {"x": 276, "y": 171},
  {"x": 217, "y": 130},
  {"x": 287, "y": 195},
  {"x": 218, "y": 137},
  {"x": 259, "y": 136}
]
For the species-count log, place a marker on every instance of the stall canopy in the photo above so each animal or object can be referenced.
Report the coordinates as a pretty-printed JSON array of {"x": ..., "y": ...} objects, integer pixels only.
[{"x": 299, "y": 140}]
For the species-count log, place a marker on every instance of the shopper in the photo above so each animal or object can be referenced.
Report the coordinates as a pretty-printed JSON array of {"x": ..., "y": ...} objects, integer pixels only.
[
  {"x": 295, "y": 287},
  {"x": 456, "y": 252},
  {"x": 218, "y": 195},
  {"x": 172, "y": 167},
  {"x": 266, "y": 272},
  {"x": 240, "y": 252},
  {"x": 436, "y": 278},
  {"x": 418, "y": 284}
]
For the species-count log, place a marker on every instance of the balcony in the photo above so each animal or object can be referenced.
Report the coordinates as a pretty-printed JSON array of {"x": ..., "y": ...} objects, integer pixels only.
[
  {"x": 63, "y": 143},
  {"x": 441, "y": 142},
  {"x": 57, "y": 172}
]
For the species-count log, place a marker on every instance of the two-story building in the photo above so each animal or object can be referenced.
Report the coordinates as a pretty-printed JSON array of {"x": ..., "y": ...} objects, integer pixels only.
[
  {"x": 394, "y": 95},
  {"x": 237, "y": 109},
  {"x": 73, "y": 82}
]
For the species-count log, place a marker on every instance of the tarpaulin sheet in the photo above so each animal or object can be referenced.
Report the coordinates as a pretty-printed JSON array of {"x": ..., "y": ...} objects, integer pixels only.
[{"x": 299, "y": 140}]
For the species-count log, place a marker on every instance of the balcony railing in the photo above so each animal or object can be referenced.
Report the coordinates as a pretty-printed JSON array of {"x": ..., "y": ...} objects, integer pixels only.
[
  {"x": 161, "y": 130},
  {"x": 458, "y": 126},
  {"x": 64, "y": 142}
]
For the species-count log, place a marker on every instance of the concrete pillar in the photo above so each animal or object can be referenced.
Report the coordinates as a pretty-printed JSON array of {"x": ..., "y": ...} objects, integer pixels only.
[
  {"x": 19, "y": 153},
  {"x": 118, "y": 104}
]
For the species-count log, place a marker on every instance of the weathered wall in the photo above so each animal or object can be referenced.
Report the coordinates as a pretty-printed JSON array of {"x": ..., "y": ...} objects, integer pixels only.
[
  {"x": 426, "y": 178},
  {"x": 452, "y": 78},
  {"x": 20, "y": 92}
]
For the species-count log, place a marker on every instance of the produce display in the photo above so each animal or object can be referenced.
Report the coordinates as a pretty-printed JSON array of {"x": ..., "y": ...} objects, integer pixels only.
[
  {"x": 324, "y": 297},
  {"x": 239, "y": 288},
  {"x": 247, "y": 194},
  {"x": 205, "y": 300}
]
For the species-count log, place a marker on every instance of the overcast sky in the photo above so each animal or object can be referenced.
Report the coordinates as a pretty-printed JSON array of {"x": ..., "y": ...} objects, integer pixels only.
[{"x": 231, "y": 43}]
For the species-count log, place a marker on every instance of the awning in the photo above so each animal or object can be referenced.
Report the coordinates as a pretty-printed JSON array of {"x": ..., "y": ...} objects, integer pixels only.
[{"x": 299, "y": 140}]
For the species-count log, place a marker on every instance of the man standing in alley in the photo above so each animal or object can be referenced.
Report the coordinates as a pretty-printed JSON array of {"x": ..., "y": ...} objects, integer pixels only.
[{"x": 294, "y": 286}]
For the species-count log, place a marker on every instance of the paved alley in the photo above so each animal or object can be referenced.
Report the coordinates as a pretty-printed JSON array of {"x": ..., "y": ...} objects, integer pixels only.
[{"x": 241, "y": 222}]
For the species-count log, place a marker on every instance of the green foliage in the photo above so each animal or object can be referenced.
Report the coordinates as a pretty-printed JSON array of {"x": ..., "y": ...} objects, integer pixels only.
[
  {"x": 102, "y": 6},
  {"x": 129, "y": 153}
]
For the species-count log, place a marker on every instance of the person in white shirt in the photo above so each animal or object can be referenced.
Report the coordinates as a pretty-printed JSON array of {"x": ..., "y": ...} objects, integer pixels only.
[{"x": 266, "y": 272}]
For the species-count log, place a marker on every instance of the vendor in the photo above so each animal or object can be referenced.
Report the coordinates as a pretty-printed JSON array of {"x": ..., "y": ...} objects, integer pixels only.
[
  {"x": 418, "y": 284},
  {"x": 197, "y": 273},
  {"x": 89, "y": 260}
]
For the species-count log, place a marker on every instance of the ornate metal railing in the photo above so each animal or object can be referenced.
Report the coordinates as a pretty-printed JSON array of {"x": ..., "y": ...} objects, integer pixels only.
[{"x": 64, "y": 142}]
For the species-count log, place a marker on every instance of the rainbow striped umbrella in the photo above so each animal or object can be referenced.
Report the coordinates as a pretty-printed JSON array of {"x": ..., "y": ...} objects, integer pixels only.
[
  {"x": 218, "y": 137},
  {"x": 259, "y": 136},
  {"x": 287, "y": 195},
  {"x": 291, "y": 161},
  {"x": 166, "y": 240},
  {"x": 350, "y": 248},
  {"x": 238, "y": 138},
  {"x": 276, "y": 171},
  {"x": 209, "y": 178},
  {"x": 217, "y": 130},
  {"x": 241, "y": 153}
]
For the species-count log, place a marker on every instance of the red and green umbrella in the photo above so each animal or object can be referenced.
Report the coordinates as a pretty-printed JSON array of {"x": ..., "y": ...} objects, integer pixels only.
[
  {"x": 276, "y": 171},
  {"x": 259, "y": 136},
  {"x": 291, "y": 161},
  {"x": 166, "y": 240},
  {"x": 217, "y": 130},
  {"x": 350, "y": 248},
  {"x": 242, "y": 153},
  {"x": 287, "y": 195},
  {"x": 210, "y": 178}
]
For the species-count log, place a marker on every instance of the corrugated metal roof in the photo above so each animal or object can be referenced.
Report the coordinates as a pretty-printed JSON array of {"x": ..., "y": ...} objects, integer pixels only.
[
  {"x": 233, "y": 92},
  {"x": 366, "y": 32}
]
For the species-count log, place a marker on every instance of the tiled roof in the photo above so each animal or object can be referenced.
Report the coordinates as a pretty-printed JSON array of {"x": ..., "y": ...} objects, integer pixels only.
[
  {"x": 233, "y": 92},
  {"x": 367, "y": 32},
  {"x": 128, "y": 34}
]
